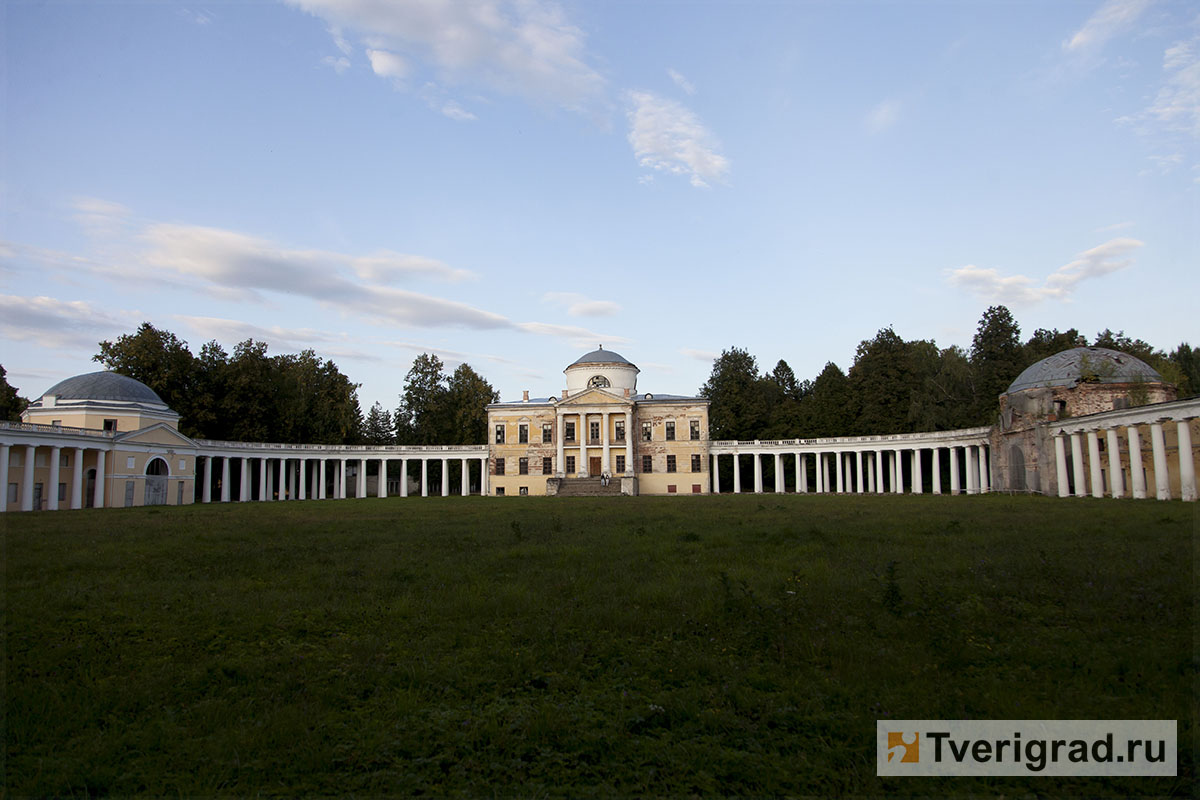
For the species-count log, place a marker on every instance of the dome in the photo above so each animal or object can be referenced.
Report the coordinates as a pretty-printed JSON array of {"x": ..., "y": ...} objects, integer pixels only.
[
  {"x": 1087, "y": 365},
  {"x": 601, "y": 356},
  {"x": 104, "y": 386}
]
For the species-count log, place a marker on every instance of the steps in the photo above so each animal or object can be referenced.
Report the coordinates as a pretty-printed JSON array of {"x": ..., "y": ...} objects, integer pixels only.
[{"x": 589, "y": 487}]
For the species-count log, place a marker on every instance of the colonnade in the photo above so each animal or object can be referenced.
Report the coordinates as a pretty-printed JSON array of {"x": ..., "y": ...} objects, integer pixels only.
[
  {"x": 323, "y": 477},
  {"x": 583, "y": 440},
  {"x": 860, "y": 470},
  {"x": 75, "y": 487},
  {"x": 1102, "y": 470}
]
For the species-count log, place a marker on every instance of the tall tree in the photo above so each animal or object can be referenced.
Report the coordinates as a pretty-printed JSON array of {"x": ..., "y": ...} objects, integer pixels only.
[
  {"x": 378, "y": 427},
  {"x": 1187, "y": 361},
  {"x": 887, "y": 374},
  {"x": 1044, "y": 343},
  {"x": 996, "y": 359},
  {"x": 467, "y": 399},
  {"x": 11, "y": 404},
  {"x": 831, "y": 408},
  {"x": 423, "y": 402},
  {"x": 737, "y": 405},
  {"x": 159, "y": 359},
  {"x": 947, "y": 398}
]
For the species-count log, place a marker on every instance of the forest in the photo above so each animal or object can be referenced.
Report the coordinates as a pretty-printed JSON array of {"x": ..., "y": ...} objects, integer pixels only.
[{"x": 893, "y": 386}]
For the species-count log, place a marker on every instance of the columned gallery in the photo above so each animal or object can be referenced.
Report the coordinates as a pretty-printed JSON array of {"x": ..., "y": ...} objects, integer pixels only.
[{"x": 1084, "y": 422}]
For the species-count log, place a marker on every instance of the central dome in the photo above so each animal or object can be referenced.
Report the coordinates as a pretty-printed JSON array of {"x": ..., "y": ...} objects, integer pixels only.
[
  {"x": 104, "y": 386},
  {"x": 1085, "y": 365},
  {"x": 601, "y": 356},
  {"x": 602, "y": 369}
]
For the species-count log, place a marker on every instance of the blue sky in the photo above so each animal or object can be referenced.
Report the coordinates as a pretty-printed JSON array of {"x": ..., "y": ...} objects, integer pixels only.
[{"x": 512, "y": 183}]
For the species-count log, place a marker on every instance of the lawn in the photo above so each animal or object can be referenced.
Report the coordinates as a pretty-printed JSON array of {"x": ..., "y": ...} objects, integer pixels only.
[{"x": 740, "y": 645}]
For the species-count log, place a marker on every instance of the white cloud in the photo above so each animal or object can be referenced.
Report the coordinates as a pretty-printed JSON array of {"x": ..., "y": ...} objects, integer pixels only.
[
  {"x": 668, "y": 137},
  {"x": 1111, "y": 19},
  {"x": 522, "y": 47},
  {"x": 339, "y": 64},
  {"x": 578, "y": 305},
  {"x": 699, "y": 355},
  {"x": 1177, "y": 104},
  {"x": 883, "y": 116},
  {"x": 453, "y": 110},
  {"x": 989, "y": 284},
  {"x": 100, "y": 218},
  {"x": 73, "y": 325},
  {"x": 577, "y": 337},
  {"x": 388, "y": 65},
  {"x": 683, "y": 83}
]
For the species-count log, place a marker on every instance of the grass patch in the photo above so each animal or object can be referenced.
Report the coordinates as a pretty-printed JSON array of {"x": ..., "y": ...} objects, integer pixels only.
[{"x": 717, "y": 645}]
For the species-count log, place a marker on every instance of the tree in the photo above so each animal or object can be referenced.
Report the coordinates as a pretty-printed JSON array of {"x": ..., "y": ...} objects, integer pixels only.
[
  {"x": 830, "y": 408},
  {"x": 784, "y": 395},
  {"x": 1045, "y": 343},
  {"x": 888, "y": 373},
  {"x": 423, "y": 402},
  {"x": 378, "y": 427},
  {"x": 947, "y": 397},
  {"x": 996, "y": 359},
  {"x": 467, "y": 399},
  {"x": 11, "y": 404},
  {"x": 737, "y": 405},
  {"x": 1187, "y": 361},
  {"x": 159, "y": 359}
]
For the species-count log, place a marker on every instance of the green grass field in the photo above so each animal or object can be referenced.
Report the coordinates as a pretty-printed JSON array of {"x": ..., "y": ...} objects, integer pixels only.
[{"x": 737, "y": 645}]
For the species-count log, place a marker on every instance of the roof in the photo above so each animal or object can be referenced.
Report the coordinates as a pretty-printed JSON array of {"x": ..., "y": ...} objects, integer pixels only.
[
  {"x": 601, "y": 356},
  {"x": 104, "y": 386},
  {"x": 1087, "y": 365}
]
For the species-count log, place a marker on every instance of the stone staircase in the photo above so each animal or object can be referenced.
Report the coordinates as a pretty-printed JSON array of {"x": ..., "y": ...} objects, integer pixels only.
[{"x": 588, "y": 487}]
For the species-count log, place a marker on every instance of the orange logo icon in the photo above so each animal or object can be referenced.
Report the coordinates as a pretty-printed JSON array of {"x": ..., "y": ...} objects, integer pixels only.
[{"x": 910, "y": 748}]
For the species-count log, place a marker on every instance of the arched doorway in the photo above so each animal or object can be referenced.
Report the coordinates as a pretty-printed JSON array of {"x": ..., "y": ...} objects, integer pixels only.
[{"x": 156, "y": 482}]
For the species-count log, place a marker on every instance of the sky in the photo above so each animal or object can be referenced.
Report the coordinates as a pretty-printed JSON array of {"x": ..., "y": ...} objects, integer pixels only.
[{"x": 512, "y": 184}]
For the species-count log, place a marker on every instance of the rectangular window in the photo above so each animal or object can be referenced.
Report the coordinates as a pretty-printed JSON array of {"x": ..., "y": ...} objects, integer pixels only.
[
  {"x": 64, "y": 459},
  {"x": 547, "y": 433},
  {"x": 12, "y": 493},
  {"x": 56, "y": 423},
  {"x": 670, "y": 430},
  {"x": 594, "y": 432},
  {"x": 670, "y": 463},
  {"x": 570, "y": 465},
  {"x": 695, "y": 488},
  {"x": 129, "y": 463},
  {"x": 569, "y": 435},
  {"x": 499, "y": 466},
  {"x": 110, "y": 424},
  {"x": 646, "y": 428},
  {"x": 547, "y": 466},
  {"x": 500, "y": 433},
  {"x": 620, "y": 437},
  {"x": 695, "y": 463},
  {"x": 621, "y": 464},
  {"x": 523, "y": 466},
  {"x": 670, "y": 488},
  {"x": 523, "y": 433},
  {"x": 694, "y": 430},
  {"x": 647, "y": 463},
  {"x": 499, "y": 491},
  {"x": 62, "y": 492},
  {"x": 524, "y": 490}
]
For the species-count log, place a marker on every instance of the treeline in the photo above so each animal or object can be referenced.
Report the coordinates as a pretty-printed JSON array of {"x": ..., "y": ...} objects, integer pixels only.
[
  {"x": 435, "y": 408},
  {"x": 899, "y": 386}
]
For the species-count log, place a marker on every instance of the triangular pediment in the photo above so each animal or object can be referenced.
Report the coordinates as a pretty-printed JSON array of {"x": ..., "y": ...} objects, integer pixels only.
[
  {"x": 591, "y": 397},
  {"x": 160, "y": 433}
]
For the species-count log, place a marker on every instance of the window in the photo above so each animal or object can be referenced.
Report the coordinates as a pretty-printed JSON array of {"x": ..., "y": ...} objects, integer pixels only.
[
  {"x": 64, "y": 459},
  {"x": 570, "y": 465},
  {"x": 569, "y": 436},
  {"x": 523, "y": 491},
  {"x": 620, "y": 430},
  {"x": 646, "y": 428},
  {"x": 647, "y": 463},
  {"x": 547, "y": 433},
  {"x": 598, "y": 382},
  {"x": 12, "y": 493},
  {"x": 670, "y": 430},
  {"x": 670, "y": 488},
  {"x": 594, "y": 432},
  {"x": 547, "y": 466},
  {"x": 621, "y": 464},
  {"x": 670, "y": 463},
  {"x": 523, "y": 433},
  {"x": 696, "y": 462},
  {"x": 62, "y": 492},
  {"x": 523, "y": 466},
  {"x": 56, "y": 423},
  {"x": 695, "y": 488},
  {"x": 110, "y": 424},
  {"x": 694, "y": 430},
  {"x": 499, "y": 491},
  {"x": 500, "y": 433},
  {"x": 499, "y": 466}
]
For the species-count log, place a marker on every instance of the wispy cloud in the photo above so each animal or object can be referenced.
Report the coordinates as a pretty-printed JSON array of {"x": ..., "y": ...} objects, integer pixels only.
[
  {"x": 528, "y": 48},
  {"x": 883, "y": 116},
  {"x": 991, "y": 285},
  {"x": 668, "y": 137},
  {"x": 1112, "y": 18},
  {"x": 73, "y": 325},
  {"x": 579, "y": 305},
  {"x": 386, "y": 64},
  {"x": 1177, "y": 104},
  {"x": 699, "y": 355},
  {"x": 683, "y": 83},
  {"x": 338, "y": 64}
]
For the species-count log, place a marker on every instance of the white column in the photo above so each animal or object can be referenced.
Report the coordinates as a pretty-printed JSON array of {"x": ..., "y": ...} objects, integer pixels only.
[
  {"x": 1060, "y": 464},
  {"x": 858, "y": 471},
  {"x": 801, "y": 473},
  {"x": 445, "y": 477},
  {"x": 262, "y": 481},
  {"x": 819, "y": 472},
  {"x": 424, "y": 477},
  {"x": 483, "y": 474},
  {"x": 224, "y": 479},
  {"x": 917, "y": 478},
  {"x": 269, "y": 468},
  {"x": 972, "y": 469},
  {"x": 293, "y": 474},
  {"x": 4, "y": 456},
  {"x": 828, "y": 487},
  {"x": 205, "y": 490},
  {"x": 560, "y": 430},
  {"x": 362, "y": 479},
  {"x": 243, "y": 480},
  {"x": 282, "y": 487},
  {"x": 98, "y": 501},
  {"x": 466, "y": 477},
  {"x": 985, "y": 479},
  {"x": 716, "y": 473},
  {"x": 897, "y": 473},
  {"x": 404, "y": 477},
  {"x": 27, "y": 478},
  {"x": 321, "y": 479},
  {"x": 1137, "y": 475},
  {"x": 1162, "y": 480},
  {"x": 1094, "y": 464},
  {"x": 381, "y": 487},
  {"x": 1187, "y": 466},
  {"x": 837, "y": 468},
  {"x": 51, "y": 492},
  {"x": 1077, "y": 464},
  {"x": 302, "y": 479},
  {"x": 870, "y": 461},
  {"x": 758, "y": 479},
  {"x": 341, "y": 484},
  {"x": 780, "y": 484},
  {"x": 1116, "y": 479},
  {"x": 879, "y": 471},
  {"x": 629, "y": 441},
  {"x": 76, "y": 479},
  {"x": 604, "y": 423},
  {"x": 937, "y": 470},
  {"x": 737, "y": 473},
  {"x": 955, "y": 487}
]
